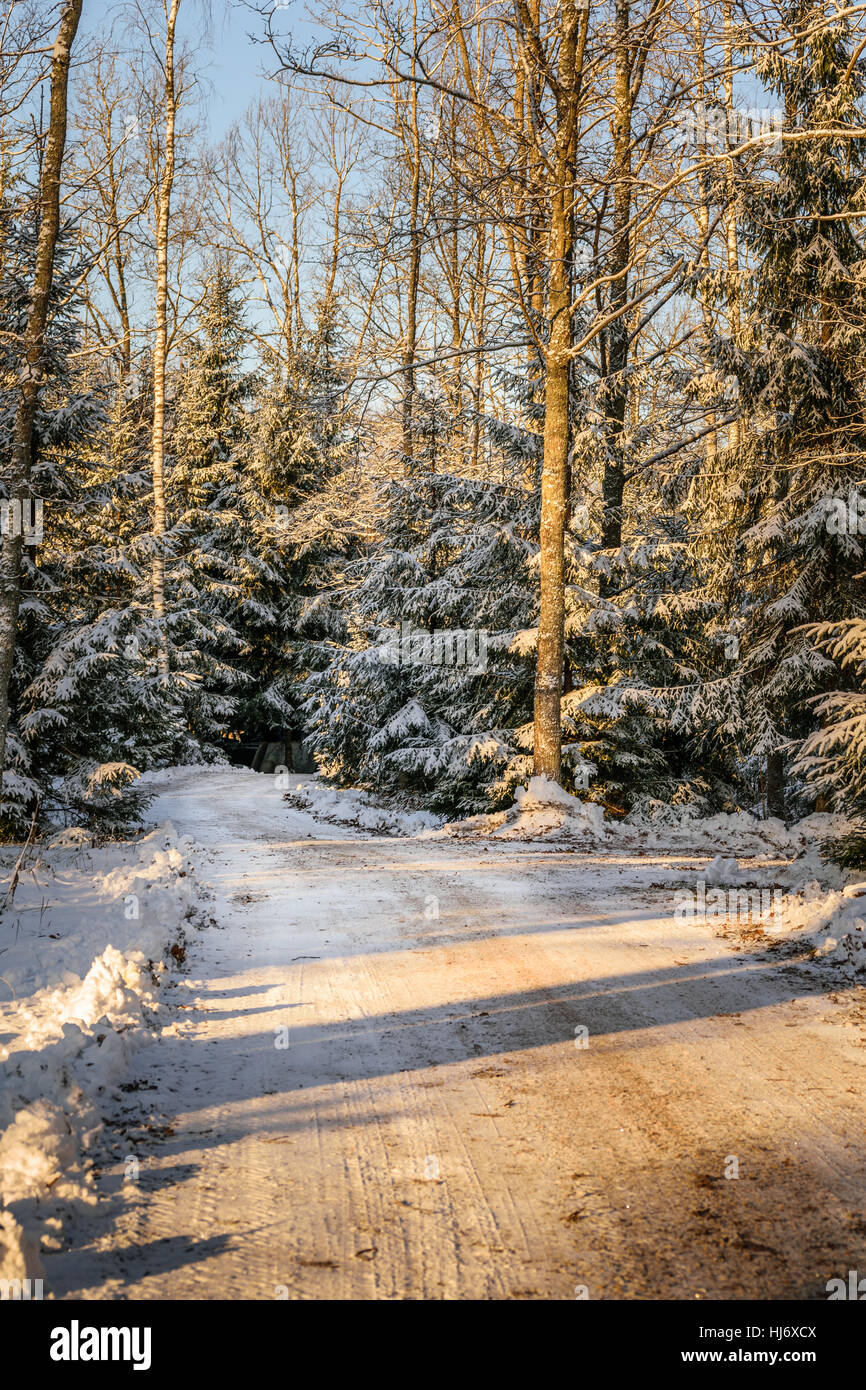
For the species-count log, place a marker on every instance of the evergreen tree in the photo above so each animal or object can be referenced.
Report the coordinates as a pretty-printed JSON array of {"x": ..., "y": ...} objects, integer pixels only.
[
  {"x": 429, "y": 686},
  {"x": 69, "y": 700},
  {"x": 270, "y": 544},
  {"x": 782, "y": 566}
]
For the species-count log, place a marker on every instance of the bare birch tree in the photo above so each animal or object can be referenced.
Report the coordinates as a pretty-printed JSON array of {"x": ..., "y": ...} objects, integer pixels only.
[{"x": 31, "y": 372}]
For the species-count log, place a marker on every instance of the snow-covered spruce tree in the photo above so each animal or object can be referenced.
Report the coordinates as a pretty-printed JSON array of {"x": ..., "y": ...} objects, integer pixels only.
[
  {"x": 96, "y": 708},
  {"x": 263, "y": 533},
  {"x": 103, "y": 555},
  {"x": 246, "y": 454},
  {"x": 645, "y": 631},
  {"x": 782, "y": 562},
  {"x": 426, "y": 691},
  {"x": 70, "y": 701},
  {"x": 627, "y": 624},
  {"x": 211, "y": 392},
  {"x": 624, "y": 651},
  {"x": 209, "y": 431},
  {"x": 253, "y": 454},
  {"x": 833, "y": 757}
]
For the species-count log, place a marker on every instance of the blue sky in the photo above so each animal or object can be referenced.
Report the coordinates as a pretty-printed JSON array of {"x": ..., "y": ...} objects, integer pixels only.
[
  {"x": 231, "y": 61},
  {"x": 236, "y": 63}
]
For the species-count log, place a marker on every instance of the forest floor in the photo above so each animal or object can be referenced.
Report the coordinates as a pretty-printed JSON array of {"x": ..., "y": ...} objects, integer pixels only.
[{"x": 431, "y": 1068}]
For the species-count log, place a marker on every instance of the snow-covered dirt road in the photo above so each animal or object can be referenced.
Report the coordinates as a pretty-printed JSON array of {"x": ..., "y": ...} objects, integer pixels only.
[{"x": 439, "y": 1069}]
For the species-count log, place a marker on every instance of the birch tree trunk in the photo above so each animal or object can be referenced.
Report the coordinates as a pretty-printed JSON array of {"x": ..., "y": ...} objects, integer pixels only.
[
  {"x": 163, "y": 216},
  {"x": 31, "y": 372},
  {"x": 703, "y": 209},
  {"x": 613, "y": 482},
  {"x": 413, "y": 278}
]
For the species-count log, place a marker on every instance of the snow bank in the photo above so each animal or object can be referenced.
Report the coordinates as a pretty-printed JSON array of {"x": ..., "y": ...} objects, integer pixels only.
[
  {"x": 540, "y": 810},
  {"x": 824, "y": 907},
  {"x": 83, "y": 945},
  {"x": 543, "y": 809},
  {"x": 659, "y": 825},
  {"x": 815, "y": 904},
  {"x": 358, "y": 809}
]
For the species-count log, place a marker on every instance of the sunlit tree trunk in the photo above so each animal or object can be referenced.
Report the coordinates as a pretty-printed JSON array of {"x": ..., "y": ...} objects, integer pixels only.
[
  {"x": 554, "y": 498},
  {"x": 703, "y": 210},
  {"x": 163, "y": 215},
  {"x": 413, "y": 273},
  {"x": 731, "y": 246},
  {"x": 613, "y": 482},
  {"x": 31, "y": 372}
]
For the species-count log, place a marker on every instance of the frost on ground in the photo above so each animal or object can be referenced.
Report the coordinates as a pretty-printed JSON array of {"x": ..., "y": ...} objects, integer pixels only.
[
  {"x": 84, "y": 943},
  {"x": 337, "y": 935},
  {"x": 787, "y": 888},
  {"x": 468, "y": 1067}
]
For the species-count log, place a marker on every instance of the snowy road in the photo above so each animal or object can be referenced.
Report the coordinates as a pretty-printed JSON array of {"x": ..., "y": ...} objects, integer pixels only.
[{"x": 365, "y": 1099}]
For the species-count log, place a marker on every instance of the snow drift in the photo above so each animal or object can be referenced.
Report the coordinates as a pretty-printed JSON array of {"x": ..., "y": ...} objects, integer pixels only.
[{"x": 84, "y": 944}]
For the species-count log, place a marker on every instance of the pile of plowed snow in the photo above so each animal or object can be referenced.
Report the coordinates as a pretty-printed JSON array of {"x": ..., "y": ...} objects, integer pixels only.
[
  {"x": 808, "y": 901},
  {"x": 84, "y": 943},
  {"x": 540, "y": 810}
]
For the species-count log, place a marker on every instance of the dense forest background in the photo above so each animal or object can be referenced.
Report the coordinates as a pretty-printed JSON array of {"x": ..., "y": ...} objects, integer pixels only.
[{"x": 491, "y": 399}]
